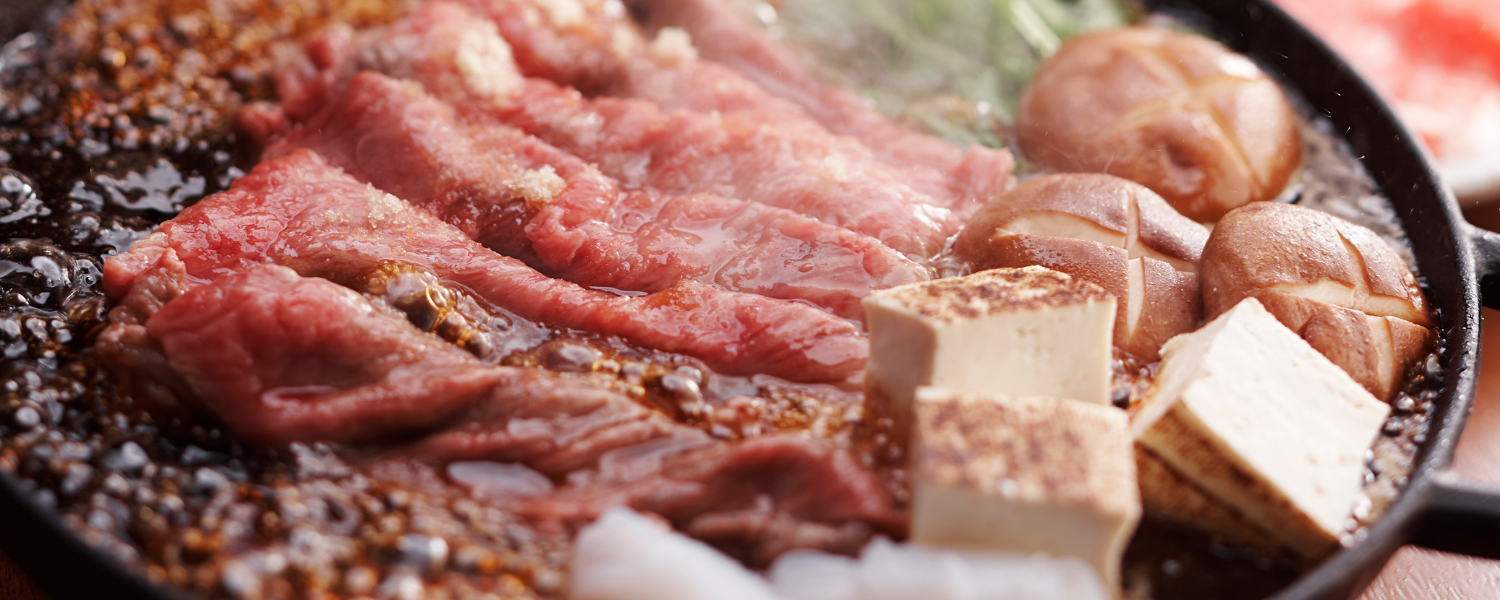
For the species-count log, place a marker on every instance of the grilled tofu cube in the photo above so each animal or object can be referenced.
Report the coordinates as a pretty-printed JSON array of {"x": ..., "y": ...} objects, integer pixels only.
[
  {"x": 1167, "y": 496},
  {"x": 1019, "y": 332},
  {"x": 1254, "y": 416},
  {"x": 1024, "y": 474}
]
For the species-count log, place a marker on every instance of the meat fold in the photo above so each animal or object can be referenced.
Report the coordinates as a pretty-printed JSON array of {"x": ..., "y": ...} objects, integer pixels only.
[
  {"x": 597, "y": 50},
  {"x": 524, "y": 198},
  {"x": 279, "y": 358},
  {"x": 300, "y": 212}
]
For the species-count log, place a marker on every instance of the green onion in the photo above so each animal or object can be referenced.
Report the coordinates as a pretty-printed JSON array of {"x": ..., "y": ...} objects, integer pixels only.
[{"x": 954, "y": 67}]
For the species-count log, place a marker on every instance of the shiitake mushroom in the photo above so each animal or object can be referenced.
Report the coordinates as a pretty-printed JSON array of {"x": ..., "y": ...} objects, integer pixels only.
[
  {"x": 1181, "y": 114},
  {"x": 1335, "y": 283},
  {"x": 1106, "y": 230}
]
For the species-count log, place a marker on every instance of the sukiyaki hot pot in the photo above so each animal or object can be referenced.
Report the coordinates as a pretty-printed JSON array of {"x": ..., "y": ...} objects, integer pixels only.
[{"x": 466, "y": 300}]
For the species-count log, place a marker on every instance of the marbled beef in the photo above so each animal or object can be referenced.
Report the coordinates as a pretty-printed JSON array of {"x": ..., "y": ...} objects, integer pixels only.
[
  {"x": 746, "y": 154},
  {"x": 300, "y": 212},
  {"x": 527, "y": 199},
  {"x": 592, "y": 47},
  {"x": 279, "y": 357}
]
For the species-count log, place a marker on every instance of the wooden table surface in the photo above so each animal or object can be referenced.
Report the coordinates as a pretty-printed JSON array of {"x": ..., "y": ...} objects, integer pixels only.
[
  {"x": 1412, "y": 574},
  {"x": 1421, "y": 574}
]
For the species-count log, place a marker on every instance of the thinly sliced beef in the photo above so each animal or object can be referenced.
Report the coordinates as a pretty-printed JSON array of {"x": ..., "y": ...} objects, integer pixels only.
[
  {"x": 524, "y": 198},
  {"x": 796, "y": 166},
  {"x": 666, "y": 71},
  {"x": 763, "y": 497},
  {"x": 788, "y": 163},
  {"x": 300, "y": 212},
  {"x": 721, "y": 34},
  {"x": 584, "y": 44},
  {"x": 279, "y": 357},
  {"x": 559, "y": 434},
  {"x": 245, "y": 306},
  {"x": 755, "y": 499}
]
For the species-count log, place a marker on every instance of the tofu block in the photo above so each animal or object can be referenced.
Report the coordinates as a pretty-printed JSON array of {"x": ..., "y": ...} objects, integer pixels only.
[
  {"x": 1167, "y": 496},
  {"x": 1251, "y": 414},
  {"x": 1024, "y": 474},
  {"x": 1017, "y": 332}
]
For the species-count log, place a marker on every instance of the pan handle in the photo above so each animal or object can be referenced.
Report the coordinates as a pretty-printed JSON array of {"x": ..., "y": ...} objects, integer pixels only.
[
  {"x": 1486, "y": 263},
  {"x": 1463, "y": 516}
]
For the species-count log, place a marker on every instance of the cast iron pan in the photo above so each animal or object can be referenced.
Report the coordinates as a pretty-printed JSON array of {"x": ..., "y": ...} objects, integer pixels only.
[{"x": 1461, "y": 265}]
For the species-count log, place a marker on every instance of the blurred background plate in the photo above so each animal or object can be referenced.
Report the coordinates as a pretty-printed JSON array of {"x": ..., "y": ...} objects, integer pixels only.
[{"x": 1437, "y": 62}]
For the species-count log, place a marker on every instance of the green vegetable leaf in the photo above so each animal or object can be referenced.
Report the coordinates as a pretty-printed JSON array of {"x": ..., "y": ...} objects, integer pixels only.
[{"x": 955, "y": 67}]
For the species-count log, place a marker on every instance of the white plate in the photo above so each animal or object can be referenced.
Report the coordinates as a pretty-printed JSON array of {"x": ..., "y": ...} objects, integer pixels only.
[{"x": 1474, "y": 181}]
